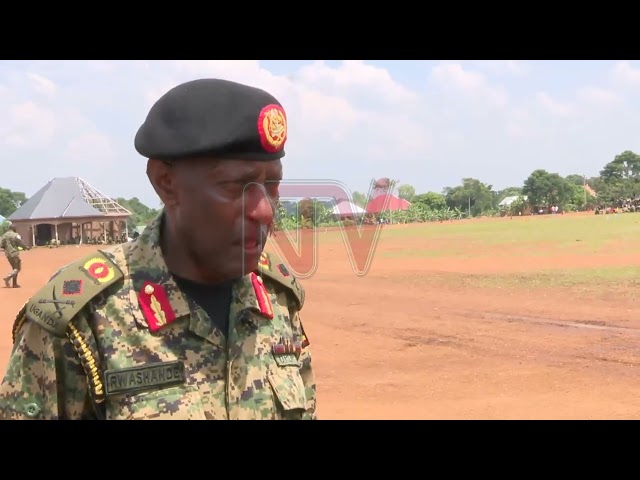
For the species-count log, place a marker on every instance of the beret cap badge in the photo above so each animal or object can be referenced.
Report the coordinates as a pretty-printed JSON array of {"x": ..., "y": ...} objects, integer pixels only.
[{"x": 272, "y": 127}]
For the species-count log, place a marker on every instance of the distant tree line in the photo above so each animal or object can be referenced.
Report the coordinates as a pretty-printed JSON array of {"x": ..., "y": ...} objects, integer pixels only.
[{"x": 617, "y": 182}]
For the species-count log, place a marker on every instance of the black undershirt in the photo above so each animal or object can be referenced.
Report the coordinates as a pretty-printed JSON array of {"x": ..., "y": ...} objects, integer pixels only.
[{"x": 215, "y": 300}]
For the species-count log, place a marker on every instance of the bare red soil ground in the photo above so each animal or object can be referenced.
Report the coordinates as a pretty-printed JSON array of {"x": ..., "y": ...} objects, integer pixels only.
[{"x": 410, "y": 340}]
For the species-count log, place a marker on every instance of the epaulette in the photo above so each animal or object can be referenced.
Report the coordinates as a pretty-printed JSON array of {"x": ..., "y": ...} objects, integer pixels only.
[
  {"x": 69, "y": 290},
  {"x": 273, "y": 268}
]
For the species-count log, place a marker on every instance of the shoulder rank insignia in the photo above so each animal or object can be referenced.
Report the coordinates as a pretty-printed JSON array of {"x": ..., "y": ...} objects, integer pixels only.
[
  {"x": 67, "y": 293},
  {"x": 155, "y": 305},
  {"x": 283, "y": 277},
  {"x": 264, "y": 303}
]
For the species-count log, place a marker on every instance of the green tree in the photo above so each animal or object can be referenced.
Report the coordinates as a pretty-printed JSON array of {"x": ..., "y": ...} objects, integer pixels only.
[
  {"x": 621, "y": 177},
  {"x": 10, "y": 201},
  {"x": 575, "y": 179},
  {"x": 472, "y": 192},
  {"x": 141, "y": 214},
  {"x": 624, "y": 166},
  {"x": 406, "y": 192},
  {"x": 517, "y": 206},
  {"x": 431, "y": 200},
  {"x": 545, "y": 189},
  {"x": 359, "y": 199}
]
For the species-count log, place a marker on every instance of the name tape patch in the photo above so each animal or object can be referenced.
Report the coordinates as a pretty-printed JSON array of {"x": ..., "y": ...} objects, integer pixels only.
[
  {"x": 287, "y": 360},
  {"x": 144, "y": 377}
]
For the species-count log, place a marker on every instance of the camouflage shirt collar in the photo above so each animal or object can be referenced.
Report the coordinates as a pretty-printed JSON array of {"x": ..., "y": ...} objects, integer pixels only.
[{"x": 146, "y": 264}]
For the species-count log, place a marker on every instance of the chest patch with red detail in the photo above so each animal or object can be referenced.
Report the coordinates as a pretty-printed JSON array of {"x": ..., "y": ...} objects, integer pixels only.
[
  {"x": 264, "y": 302},
  {"x": 155, "y": 306}
]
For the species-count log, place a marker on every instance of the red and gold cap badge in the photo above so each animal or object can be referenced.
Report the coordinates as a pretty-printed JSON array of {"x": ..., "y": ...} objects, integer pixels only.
[{"x": 272, "y": 128}]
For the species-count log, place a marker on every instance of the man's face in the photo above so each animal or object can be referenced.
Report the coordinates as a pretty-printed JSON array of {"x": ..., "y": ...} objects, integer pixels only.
[{"x": 222, "y": 211}]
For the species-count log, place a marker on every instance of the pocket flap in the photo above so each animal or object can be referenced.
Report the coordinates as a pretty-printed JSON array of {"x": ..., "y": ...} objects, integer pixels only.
[
  {"x": 173, "y": 403},
  {"x": 288, "y": 387}
]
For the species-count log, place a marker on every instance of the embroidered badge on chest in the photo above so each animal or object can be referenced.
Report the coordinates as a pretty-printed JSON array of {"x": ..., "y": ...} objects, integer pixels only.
[
  {"x": 155, "y": 306},
  {"x": 286, "y": 352}
]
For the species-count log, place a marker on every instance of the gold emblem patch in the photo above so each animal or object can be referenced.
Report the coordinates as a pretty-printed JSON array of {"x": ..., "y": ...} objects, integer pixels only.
[{"x": 272, "y": 127}]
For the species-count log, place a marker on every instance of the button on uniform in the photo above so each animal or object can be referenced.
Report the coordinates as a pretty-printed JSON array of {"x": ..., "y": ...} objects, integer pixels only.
[{"x": 32, "y": 410}]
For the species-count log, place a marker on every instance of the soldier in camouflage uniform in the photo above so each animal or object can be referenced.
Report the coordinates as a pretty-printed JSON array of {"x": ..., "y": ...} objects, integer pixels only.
[
  {"x": 11, "y": 243},
  {"x": 192, "y": 320}
]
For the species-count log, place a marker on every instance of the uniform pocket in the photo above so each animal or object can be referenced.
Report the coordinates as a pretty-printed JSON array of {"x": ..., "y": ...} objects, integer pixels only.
[
  {"x": 182, "y": 402},
  {"x": 289, "y": 392}
]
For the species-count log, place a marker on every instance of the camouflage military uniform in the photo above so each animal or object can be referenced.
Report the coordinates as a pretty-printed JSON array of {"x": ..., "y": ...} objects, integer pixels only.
[
  {"x": 112, "y": 336},
  {"x": 11, "y": 242}
]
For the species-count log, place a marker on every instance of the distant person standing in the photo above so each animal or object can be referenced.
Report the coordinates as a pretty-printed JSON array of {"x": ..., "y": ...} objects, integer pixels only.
[{"x": 11, "y": 243}]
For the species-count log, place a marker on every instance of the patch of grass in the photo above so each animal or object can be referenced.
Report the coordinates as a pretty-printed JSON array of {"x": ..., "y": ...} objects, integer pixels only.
[
  {"x": 529, "y": 227},
  {"x": 627, "y": 277},
  {"x": 514, "y": 250},
  {"x": 529, "y": 236},
  {"x": 426, "y": 253},
  {"x": 604, "y": 282}
]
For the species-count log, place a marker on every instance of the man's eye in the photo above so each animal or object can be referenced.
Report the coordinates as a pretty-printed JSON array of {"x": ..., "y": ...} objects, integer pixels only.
[{"x": 235, "y": 187}]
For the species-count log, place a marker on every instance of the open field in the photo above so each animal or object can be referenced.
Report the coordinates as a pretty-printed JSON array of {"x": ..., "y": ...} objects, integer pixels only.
[{"x": 532, "y": 317}]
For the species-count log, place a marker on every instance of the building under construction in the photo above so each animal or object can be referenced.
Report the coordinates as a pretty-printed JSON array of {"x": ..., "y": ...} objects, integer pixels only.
[{"x": 69, "y": 211}]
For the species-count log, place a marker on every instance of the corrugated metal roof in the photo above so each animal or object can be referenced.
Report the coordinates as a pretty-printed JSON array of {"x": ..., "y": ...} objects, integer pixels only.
[
  {"x": 59, "y": 198},
  {"x": 506, "y": 201}
]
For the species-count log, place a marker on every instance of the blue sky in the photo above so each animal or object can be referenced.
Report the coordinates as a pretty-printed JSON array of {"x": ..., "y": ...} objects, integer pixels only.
[{"x": 426, "y": 123}]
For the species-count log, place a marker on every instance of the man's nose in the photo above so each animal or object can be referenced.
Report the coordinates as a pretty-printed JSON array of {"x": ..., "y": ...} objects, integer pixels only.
[{"x": 259, "y": 206}]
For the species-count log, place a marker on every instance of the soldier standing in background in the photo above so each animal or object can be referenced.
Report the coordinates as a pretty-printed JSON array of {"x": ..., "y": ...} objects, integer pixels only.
[
  {"x": 11, "y": 243},
  {"x": 191, "y": 320}
]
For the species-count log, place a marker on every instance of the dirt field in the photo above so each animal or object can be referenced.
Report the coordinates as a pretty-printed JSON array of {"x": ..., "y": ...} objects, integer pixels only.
[{"x": 424, "y": 338}]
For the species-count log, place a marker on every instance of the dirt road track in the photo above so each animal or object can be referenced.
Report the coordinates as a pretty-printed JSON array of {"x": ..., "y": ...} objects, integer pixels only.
[{"x": 402, "y": 350}]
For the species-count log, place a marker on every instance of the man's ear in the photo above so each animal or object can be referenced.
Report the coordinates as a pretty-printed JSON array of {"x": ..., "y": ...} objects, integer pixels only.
[{"x": 163, "y": 179}]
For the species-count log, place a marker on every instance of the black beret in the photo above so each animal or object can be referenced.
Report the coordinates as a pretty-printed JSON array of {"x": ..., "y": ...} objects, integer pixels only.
[{"x": 214, "y": 118}]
